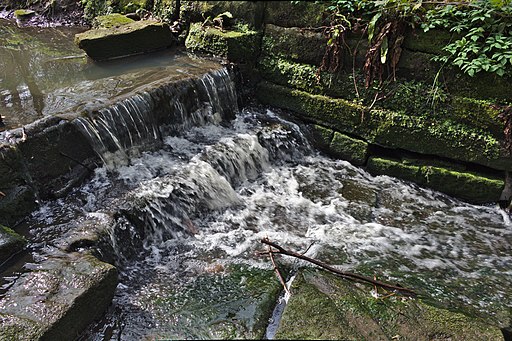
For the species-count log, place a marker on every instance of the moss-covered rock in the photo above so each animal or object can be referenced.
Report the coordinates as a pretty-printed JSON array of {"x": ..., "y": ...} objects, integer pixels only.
[
  {"x": 111, "y": 20},
  {"x": 10, "y": 243},
  {"x": 245, "y": 12},
  {"x": 295, "y": 44},
  {"x": 296, "y": 14},
  {"x": 224, "y": 302},
  {"x": 391, "y": 129},
  {"x": 129, "y": 39},
  {"x": 321, "y": 137},
  {"x": 57, "y": 299},
  {"x": 129, "y": 6},
  {"x": 347, "y": 148},
  {"x": 470, "y": 186},
  {"x": 323, "y": 306},
  {"x": 233, "y": 45},
  {"x": 431, "y": 41}
]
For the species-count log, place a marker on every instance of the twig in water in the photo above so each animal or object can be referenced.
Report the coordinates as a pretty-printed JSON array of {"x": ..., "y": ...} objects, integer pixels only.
[{"x": 344, "y": 274}]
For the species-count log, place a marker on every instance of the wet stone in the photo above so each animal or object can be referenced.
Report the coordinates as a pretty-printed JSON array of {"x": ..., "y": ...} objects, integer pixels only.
[
  {"x": 57, "y": 299},
  {"x": 232, "y": 302},
  {"x": 10, "y": 243}
]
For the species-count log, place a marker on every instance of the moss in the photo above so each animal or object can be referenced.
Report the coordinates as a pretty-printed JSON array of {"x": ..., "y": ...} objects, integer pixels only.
[
  {"x": 23, "y": 13},
  {"x": 324, "y": 306},
  {"x": 10, "y": 243},
  {"x": 310, "y": 315},
  {"x": 321, "y": 137},
  {"x": 233, "y": 302},
  {"x": 304, "y": 77},
  {"x": 431, "y": 42},
  {"x": 129, "y": 6},
  {"x": 299, "y": 14},
  {"x": 111, "y": 20},
  {"x": 347, "y": 148},
  {"x": 234, "y": 45},
  {"x": 473, "y": 187},
  {"x": 296, "y": 44},
  {"x": 391, "y": 129},
  {"x": 246, "y": 12}
]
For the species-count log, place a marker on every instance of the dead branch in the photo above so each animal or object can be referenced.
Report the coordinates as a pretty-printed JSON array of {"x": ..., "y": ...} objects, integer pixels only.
[
  {"x": 343, "y": 274},
  {"x": 276, "y": 269}
]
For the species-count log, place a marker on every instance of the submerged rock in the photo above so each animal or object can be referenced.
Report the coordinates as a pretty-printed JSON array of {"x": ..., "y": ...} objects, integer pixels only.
[
  {"x": 124, "y": 40},
  {"x": 57, "y": 299},
  {"x": 323, "y": 306},
  {"x": 10, "y": 243}
]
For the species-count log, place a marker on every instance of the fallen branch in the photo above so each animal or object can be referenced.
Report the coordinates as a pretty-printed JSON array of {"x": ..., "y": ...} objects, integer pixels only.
[
  {"x": 276, "y": 269},
  {"x": 343, "y": 274}
]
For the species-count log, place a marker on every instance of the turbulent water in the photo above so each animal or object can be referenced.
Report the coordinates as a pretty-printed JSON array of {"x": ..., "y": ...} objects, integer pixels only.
[{"x": 202, "y": 203}]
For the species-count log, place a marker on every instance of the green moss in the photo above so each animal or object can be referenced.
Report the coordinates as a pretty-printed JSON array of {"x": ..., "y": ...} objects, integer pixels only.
[
  {"x": 295, "y": 44},
  {"x": 347, "y": 148},
  {"x": 233, "y": 302},
  {"x": 324, "y": 306},
  {"x": 111, "y": 20},
  {"x": 473, "y": 187},
  {"x": 130, "y": 6},
  {"x": 234, "y": 45},
  {"x": 299, "y": 14},
  {"x": 432, "y": 41},
  {"x": 320, "y": 136},
  {"x": 391, "y": 129}
]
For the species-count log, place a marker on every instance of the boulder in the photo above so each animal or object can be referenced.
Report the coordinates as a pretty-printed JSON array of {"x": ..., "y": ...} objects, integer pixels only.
[
  {"x": 57, "y": 299},
  {"x": 125, "y": 40}
]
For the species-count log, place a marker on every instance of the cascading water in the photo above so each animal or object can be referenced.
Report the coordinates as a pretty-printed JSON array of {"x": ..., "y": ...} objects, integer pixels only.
[{"x": 188, "y": 218}]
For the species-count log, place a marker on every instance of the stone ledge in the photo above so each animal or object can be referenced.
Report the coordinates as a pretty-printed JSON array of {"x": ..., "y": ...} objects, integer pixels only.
[
  {"x": 390, "y": 129},
  {"x": 469, "y": 186}
]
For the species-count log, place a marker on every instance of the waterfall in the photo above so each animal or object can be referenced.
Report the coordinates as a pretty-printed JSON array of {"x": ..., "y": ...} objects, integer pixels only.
[{"x": 140, "y": 121}]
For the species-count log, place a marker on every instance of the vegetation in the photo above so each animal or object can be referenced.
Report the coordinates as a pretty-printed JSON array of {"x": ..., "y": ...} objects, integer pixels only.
[{"x": 481, "y": 41}]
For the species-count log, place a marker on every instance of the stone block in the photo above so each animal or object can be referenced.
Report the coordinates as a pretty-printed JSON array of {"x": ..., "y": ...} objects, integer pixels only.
[{"x": 130, "y": 39}]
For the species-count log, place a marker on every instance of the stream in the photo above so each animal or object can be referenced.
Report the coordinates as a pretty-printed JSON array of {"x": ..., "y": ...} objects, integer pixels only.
[{"x": 190, "y": 212}]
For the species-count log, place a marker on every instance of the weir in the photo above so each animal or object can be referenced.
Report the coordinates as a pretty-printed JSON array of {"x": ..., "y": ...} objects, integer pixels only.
[{"x": 189, "y": 186}]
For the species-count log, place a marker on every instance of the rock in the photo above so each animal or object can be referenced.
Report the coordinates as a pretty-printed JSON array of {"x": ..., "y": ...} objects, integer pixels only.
[
  {"x": 223, "y": 302},
  {"x": 57, "y": 299},
  {"x": 323, "y": 306},
  {"x": 236, "y": 46},
  {"x": 128, "y": 39},
  {"x": 10, "y": 243},
  {"x": 347, "y": 148},
  {"x": 470, "y": 186},
  {"x": 389, "y": 128}
]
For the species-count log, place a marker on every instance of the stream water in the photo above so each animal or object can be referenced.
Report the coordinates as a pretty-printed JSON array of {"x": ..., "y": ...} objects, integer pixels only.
[{"x": 188, "y": 219}]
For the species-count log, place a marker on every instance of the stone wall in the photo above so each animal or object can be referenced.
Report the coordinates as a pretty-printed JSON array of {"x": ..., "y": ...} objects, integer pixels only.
[{"x": 450, "y": 132}]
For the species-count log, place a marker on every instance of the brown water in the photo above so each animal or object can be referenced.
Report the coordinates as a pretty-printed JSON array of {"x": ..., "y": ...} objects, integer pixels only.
[{"x": 43, "y": 72}]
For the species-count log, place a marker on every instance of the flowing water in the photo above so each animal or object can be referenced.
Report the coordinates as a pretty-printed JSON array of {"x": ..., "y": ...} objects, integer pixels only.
[
  {"x": 43, "y": 72},
  {"x": 185, "y": 220}
]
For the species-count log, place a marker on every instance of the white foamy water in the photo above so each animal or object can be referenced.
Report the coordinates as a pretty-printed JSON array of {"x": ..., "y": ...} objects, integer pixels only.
[{"x": 208, "y": 197}]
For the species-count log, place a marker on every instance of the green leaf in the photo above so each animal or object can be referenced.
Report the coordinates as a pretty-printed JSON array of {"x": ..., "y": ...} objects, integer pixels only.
[
  {"x": 384, "y": 50},
  {"x": 371, "y": 26}
]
